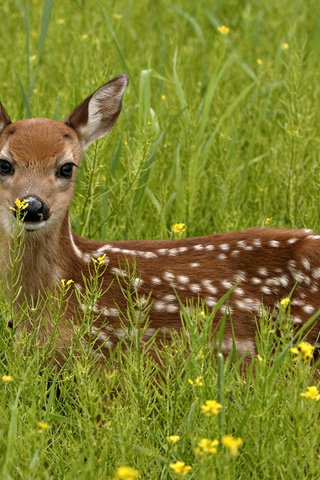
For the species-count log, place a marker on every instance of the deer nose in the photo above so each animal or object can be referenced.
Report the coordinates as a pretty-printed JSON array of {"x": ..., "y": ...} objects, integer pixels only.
[{"x": 35, "y": 211}]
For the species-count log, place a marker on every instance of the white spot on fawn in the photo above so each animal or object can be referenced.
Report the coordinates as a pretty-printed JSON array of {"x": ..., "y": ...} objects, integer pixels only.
[
  {"x": 305, "y": 262},
  {"x": 194, "y": 264},
  {"x": 226, "y": 284},
  {"x": 183, "y": 279},
  {"x": 308, "y": 309},
  {"x": 274, "y": 243},
  {"x": 263, "y": 271}
]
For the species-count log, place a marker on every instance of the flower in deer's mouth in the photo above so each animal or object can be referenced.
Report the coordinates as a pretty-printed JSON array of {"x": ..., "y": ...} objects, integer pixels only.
[
  {"x": 21, "y": 204},
  {"x": 312, "y": 393}
]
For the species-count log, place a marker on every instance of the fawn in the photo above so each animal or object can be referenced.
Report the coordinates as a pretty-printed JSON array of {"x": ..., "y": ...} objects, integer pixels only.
[{"x": 38, "y": 160}]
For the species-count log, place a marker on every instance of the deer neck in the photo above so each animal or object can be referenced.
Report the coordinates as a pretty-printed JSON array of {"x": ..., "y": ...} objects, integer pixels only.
[{"x": 41, "y": 259}]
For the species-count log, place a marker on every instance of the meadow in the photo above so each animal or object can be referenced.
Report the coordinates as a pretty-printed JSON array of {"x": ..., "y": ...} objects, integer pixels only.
[{"x": 219, "y": 131}]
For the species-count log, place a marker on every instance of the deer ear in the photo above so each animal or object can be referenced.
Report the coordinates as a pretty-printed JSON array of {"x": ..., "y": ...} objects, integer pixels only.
[
  {"x": 4, "y": 118},
  {"x": 96, "y": 115}
]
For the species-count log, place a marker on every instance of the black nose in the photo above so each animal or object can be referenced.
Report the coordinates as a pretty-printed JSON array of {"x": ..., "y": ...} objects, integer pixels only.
[{"x": 36, "y": 211}]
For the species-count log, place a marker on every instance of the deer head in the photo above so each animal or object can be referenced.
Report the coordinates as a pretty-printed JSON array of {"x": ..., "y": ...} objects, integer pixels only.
[{"x": 39, "y": 157}]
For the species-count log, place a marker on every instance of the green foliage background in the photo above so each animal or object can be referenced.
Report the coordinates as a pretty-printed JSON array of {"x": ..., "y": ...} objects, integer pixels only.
[{"x": 209, "y": 136}]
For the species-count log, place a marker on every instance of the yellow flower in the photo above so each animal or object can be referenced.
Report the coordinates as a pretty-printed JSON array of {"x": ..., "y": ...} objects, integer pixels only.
[
  {"x": 117, "y": 16},
  {"x": 223, "y": 29},
  {"x": 206, "y": 446},
  {"x": 100, "y": 260},
  {"x": 163, "y": 97},
  {"x": 21, "y": 204},
  {"x": 61, "y": 21},
  {"x": 312, "y": 393},
  {"x": 259, "y": 61},
  {"x": 178, "y": 228},
  {"x": 43, "y": 425},
  {"x": 211, "y": 407},
  {"x": 197, "y": 382},
  {"x": 180, "y": 468},
  {"x": 7, "y": 378},
  {"x": 126, "y": 473},
  {"x": 304, "y": 350},
  {"x": 66, "y": 283},
  {"x": 285, "y": 46},
  {"x": 173, "y": 438},
  {"x": 285, "y": 302},
  {"x": 232, "y": 444}
]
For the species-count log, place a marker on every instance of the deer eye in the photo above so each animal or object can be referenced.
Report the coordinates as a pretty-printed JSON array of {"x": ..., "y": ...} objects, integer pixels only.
[
  {"x": 66, "y": 170},
  {"x": 6, "y": 168}
]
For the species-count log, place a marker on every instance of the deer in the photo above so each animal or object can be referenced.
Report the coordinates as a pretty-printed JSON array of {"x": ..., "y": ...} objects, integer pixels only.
[{"x": 39, "y": 158}]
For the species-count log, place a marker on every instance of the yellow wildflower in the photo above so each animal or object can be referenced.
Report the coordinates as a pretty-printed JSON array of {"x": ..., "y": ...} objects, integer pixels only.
[
  {"x": 180, "y": 468},
  {"x": 100, "y": 260},
  {"x": 312, "y": 393},
  {"x": 178, "y": 228},
  {"x": 285, "y": 46},
  {"x": 211, "y": 407},
  {"x": 206, "y": 446},
  {"x": 259, "y": 61},
  {"x": 117, "y": 16},
  {"x": 66, "y": 283},
  {"x": 223, "y": 30},
  {"x": 7, "y": 378},
  {"x": 232, "y": 444},
  {"x": 285, "y": 302},
  {"x": 126, "y": 473},
  {"x": 61, "y": 21},
  {"x": 197, "y": 382},
  {"x": 43, "y": 425},
  {"x": 84, "y": 36},
  {"x": 163, "y": 97},
  {"x": 21, "y": 204},
  {"x": 304, "y": 349},
  {"x": 173, "y": 438}
]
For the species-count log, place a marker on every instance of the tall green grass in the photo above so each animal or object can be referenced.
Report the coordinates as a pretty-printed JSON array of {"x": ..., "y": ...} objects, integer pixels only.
[{"x": 217, "y": 131}]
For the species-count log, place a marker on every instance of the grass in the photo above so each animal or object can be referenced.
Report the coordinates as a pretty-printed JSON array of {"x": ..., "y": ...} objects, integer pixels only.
[{"x": 211, "y": 137}]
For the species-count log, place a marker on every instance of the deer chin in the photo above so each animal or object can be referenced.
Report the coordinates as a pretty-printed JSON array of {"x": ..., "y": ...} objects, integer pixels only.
[{"x": 34, "y": 227}]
